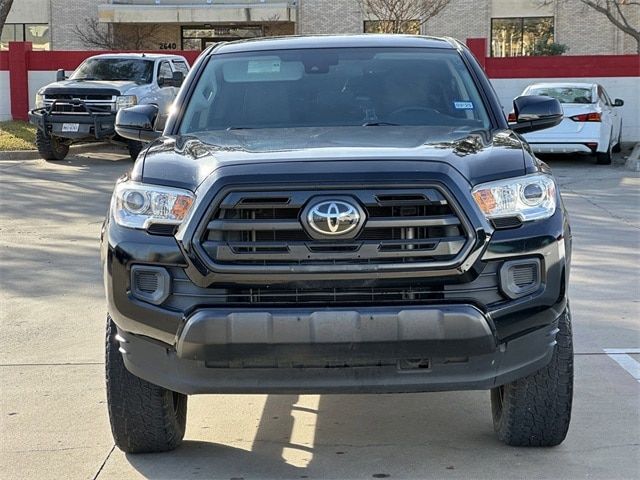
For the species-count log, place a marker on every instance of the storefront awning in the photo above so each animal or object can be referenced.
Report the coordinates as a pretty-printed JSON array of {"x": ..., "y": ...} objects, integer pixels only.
[{"x": 223, "y": 11}]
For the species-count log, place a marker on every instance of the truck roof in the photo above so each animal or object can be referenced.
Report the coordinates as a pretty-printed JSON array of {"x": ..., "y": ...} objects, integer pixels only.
[
  {"x": 334, "y": 41},
  {"x": 150, "y": 56}
]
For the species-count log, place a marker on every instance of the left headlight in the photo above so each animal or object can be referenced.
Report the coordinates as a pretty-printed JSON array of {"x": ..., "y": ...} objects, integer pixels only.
[
  {"x": 532, "y": 197},
  {"x": 125, "y": 101},
  {"x": 136, "y": 205}
]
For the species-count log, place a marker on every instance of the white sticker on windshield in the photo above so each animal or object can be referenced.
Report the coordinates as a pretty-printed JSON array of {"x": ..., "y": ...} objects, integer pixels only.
[
  {"x": 463, "y": 105},
  {"x": 271, "y": 65}
]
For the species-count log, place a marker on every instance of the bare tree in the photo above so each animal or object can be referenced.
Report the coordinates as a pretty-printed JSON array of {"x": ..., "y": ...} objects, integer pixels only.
[
  {"x": 618, "y": 12},
  {"x": 401, "y": 16},
  {"x": 93, "y": 34},
  {"x": 5, "y": 6}
]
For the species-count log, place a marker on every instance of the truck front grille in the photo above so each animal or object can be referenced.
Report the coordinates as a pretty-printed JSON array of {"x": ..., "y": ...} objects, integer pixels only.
[
  {"x": 483, "y": 290},
  {"x": 80, "y": 104},
  {"x": 402, "y": 226}
]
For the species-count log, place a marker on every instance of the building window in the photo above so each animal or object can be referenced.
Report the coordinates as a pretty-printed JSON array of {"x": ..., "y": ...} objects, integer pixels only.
[
  {"x": 411, "y": 27},
  {"x": 515, "y": 37},
  {"x": 36, "y": 33}
]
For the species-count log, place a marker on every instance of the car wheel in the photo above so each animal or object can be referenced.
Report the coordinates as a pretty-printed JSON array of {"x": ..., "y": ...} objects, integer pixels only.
[
  {"x": 536, "y": 410},
  {"x": 144, "y": 417},
  {"x": 604, "y": 158},
  {"x": 50, "y": 147},
  {"x": 134, "y": 148}
]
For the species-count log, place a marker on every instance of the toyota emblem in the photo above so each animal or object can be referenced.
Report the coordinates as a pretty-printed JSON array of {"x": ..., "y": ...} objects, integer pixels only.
[{"x": 333, "y": 217}]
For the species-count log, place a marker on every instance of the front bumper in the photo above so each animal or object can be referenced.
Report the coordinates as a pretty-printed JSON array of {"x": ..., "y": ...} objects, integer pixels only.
[
  {"x": 90, "y": 125},
  {"x": 429, "y": 349}
]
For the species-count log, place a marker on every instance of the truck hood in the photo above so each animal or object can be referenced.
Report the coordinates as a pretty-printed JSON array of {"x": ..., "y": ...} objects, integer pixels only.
[
  {"x": 186, "y": 161},
  {"x": 122, "y": 87}
]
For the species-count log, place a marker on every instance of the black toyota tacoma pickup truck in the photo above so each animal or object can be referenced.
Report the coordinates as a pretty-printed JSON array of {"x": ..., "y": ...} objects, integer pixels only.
[{"x": 341, "y": 214}]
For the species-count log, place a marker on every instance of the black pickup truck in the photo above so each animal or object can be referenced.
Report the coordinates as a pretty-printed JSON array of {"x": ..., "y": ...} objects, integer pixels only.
[{"x": 341, "y": 214}]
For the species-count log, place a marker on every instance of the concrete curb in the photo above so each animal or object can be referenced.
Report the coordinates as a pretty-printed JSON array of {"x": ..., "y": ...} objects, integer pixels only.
[
  {"x": 633, "y": 162},
  {"x": 19, "y": 155}
]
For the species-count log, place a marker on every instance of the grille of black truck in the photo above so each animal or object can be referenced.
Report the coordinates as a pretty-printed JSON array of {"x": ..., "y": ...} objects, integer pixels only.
[
  {"x": 402, "y": 226},
  {"x": 483, "y": 290}
]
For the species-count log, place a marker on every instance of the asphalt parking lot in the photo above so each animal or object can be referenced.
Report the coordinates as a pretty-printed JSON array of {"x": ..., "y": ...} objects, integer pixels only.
[{"x": 53, "y": 417}]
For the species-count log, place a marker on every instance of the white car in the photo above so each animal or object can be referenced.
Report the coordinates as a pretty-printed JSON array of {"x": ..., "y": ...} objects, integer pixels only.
[{"x": 591, "y": 124}]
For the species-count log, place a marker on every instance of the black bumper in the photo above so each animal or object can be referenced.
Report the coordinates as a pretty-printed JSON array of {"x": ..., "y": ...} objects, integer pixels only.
[
  {"x": 458, "y": 352},
  {"x": 91, "y": 126}
]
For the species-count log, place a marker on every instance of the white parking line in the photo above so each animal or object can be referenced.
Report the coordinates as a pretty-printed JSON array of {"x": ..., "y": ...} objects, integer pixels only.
[{"x": 621, "y": 357}]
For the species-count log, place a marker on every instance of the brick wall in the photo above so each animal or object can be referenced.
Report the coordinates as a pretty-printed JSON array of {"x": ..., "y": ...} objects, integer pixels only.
[
  {"x": 329, "y": 16},
  {"x": 65, "y": 15},
  {"x": 461, "y": 19}
]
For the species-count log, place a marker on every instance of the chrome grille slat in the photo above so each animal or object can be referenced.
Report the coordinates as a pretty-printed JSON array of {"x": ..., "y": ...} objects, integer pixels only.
[{"x": 263, "y": 228}]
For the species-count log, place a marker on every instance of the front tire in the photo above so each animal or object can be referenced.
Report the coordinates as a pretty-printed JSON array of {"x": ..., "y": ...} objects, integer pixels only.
[
  {"x": 50, "y": 147},
  {"x": 144, "y": 417},
  {"x": 535, "y": 411}
]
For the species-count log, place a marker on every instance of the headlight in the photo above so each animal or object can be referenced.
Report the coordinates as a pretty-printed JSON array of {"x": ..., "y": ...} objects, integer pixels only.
[
  {"x": 125, "y": 101},
  {"x": 39, "y": 100},
  {"x": 135, "y": 205},
  {"x": 532, "y": 197}
]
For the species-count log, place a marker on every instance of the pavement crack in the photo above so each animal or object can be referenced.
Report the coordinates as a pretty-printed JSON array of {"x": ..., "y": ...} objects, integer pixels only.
[{"x": 105, "y": 462}]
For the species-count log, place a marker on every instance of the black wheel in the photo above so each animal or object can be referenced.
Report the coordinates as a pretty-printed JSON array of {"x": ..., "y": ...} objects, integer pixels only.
[
  {"x": 144, "y": 417},
  {"x": 134, "y": 148},
  {"x": 50, "y": 147},
  {"x": 535, "y": 411}
]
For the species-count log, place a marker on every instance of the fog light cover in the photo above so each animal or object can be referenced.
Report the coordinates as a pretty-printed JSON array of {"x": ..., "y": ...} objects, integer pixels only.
[
  {"x": 150, "y": 284},
  {"x": 520, "y": 277}
]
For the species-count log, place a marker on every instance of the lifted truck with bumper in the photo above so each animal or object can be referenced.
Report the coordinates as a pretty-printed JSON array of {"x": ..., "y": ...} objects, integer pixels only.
[
  {"x": 83, "y": 108},
  {"x": 372, "y": 225}
]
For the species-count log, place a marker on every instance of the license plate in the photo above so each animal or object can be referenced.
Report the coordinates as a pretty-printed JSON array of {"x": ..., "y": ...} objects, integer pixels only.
[{"x": 70, "y": 127}]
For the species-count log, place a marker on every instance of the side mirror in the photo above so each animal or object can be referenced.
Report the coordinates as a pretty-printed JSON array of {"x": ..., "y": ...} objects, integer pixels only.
[
  {"x": 60, "y": 75},
  {"x": 137, "y": 123},
  {"x": 618, "y": 103},
  {"x": 162, "y": 82},
  {"x": 178, "y": 78},
  {"x": 535, "y": 112}
]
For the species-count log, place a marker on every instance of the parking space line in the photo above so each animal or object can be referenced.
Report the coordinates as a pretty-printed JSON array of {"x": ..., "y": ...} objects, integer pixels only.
[{"x": 621, "y": 357}]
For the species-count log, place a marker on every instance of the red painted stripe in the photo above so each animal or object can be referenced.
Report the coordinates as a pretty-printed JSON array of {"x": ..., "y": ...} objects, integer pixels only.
[
  {"x": 4, "y": 60},
  {"x": 70, "y": 60},
  {"x": 564, "y": 66}
]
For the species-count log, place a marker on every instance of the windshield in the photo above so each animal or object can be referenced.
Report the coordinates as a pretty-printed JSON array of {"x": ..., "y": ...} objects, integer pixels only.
[
  {"x": 564, "y": 94},
  {"x": 335, "y": 87},
  {"x": 112, "y": 69}
]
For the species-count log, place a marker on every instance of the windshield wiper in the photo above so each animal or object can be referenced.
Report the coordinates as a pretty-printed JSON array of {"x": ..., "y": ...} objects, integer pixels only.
[
  {"x": 85, "y": 78},
  {"x": 380, "y": 124},
  {"x": 228, "y": 129}
]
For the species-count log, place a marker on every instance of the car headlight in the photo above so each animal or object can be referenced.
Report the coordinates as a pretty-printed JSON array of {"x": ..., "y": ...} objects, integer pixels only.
[
  {"x": 39, "y": 100},
  {"x": 137, "y": 205},
  {"x": 125, "y": 101},
  {"x": 532, "y": 197}
]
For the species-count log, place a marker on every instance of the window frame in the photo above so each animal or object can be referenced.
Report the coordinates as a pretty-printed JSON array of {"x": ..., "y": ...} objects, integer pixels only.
[
  {"x": 22, "y": 29},
  {"x": 522, "y": 31}
]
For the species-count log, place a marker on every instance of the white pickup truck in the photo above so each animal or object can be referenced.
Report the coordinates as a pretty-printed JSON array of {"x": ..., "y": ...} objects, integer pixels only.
[{"x": 83, "y": 108}]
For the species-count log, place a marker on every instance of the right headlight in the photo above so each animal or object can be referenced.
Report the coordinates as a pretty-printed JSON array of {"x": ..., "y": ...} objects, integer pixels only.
[
  {"x": 532, "y": 197},
  {"x": 137, "y": 205}
]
